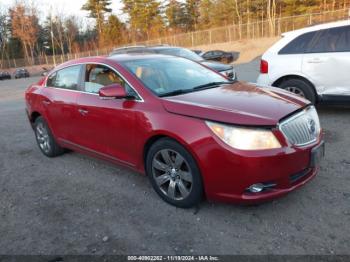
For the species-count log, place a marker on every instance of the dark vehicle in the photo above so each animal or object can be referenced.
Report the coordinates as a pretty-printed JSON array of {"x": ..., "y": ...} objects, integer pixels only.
[
  {"x": 221, "y": 56},
  {"x": 198, "y": 52},
  {"x": 226, "y": 70},
  {"x": 5, "y": 75},
  {"x": 45, "y": 71},
  {"x": 21, "y": 73}
]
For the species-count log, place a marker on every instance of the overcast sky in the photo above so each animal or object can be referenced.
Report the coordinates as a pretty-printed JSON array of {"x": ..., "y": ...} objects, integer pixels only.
[{"x": 65, "y": 7}]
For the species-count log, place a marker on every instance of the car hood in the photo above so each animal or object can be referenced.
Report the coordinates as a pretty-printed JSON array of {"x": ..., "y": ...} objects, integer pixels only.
[
  {"x": 216, "y": 66},
  {"x": 238, "y": 103}
]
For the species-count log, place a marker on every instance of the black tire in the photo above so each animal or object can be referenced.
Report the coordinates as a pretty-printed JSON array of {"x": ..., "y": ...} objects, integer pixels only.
[
  {"x": 195, "y": 193},
  {"x": 301, "y": 86},
  {"x": 45, "y": 139}
]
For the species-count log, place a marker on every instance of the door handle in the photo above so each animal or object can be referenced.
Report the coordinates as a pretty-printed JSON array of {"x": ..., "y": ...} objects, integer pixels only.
[
  {"x": 83, "y": 111},
  {"x": 46, "y": 102},
  {"x": 315, "y": 61}
]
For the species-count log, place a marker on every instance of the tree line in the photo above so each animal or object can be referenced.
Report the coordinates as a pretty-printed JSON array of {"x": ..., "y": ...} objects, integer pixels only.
[{"x": 23, "y": 35}]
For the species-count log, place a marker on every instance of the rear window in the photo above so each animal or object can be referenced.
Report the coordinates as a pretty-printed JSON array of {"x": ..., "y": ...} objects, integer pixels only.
[
  {"x": 299, "y": 45},
  {"x": 67, "y": 78}
]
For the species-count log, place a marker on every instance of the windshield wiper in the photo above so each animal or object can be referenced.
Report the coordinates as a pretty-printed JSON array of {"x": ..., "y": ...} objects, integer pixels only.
[
  {"x": 212, "y": 84},
  {"x": 175, "y": 92},
  {"x": 200, "y": 87}
]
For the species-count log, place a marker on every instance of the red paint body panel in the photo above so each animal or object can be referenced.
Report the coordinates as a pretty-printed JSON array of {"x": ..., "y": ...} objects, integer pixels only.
[
  {"x": 234, "y": 104},
  {"x": 107, "y": 127},
  {"x": 118, "y": 130},
  {"x": 113, "y": 91}
]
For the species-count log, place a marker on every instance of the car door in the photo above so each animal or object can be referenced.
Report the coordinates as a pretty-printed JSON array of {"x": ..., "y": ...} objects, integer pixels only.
[
  {"x": 327, "y": 61},
  {"x": 106, "y": 126},
  {"x": 59, "y": 101}
]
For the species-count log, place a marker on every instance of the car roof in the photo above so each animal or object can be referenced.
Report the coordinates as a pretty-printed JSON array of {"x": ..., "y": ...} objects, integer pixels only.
[
  {"x": 136, "y": 56},
  {"x": 114, "y": 58},
  {"x": 143, "y": 49},
  {"x": 129, "y": 47},
  {"x": 317, "y": 27},
  {"x": 150, "y": 47},
  {"x": 160, "y": 47}
]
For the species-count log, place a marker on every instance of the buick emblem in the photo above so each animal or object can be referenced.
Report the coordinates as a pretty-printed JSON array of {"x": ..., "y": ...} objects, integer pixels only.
[{"x": 311, "y": 125}]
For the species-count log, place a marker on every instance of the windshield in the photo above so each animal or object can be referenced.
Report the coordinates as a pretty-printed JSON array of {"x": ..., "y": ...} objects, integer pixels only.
[
  {"x": 182, "y": 52},
  {"x": 166, "y": 75}
]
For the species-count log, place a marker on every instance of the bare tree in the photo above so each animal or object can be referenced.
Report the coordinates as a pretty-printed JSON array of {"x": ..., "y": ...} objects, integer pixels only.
[
  {"x": 271, "y": 15},
  {"x": 71, "y": 32},
  {"x": 24, "y": 22},
  {"x": 58, "y": 31},
  {"x": 3, "y": 35},
  {"x": 239, "y": 19}
]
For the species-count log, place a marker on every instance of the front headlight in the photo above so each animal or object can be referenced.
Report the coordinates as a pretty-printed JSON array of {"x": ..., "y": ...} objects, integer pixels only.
[{"x": 244, "y": 138}]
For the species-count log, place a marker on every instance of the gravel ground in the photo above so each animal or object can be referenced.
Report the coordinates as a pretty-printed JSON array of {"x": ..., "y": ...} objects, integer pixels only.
[{"x": 74, "y": 204}]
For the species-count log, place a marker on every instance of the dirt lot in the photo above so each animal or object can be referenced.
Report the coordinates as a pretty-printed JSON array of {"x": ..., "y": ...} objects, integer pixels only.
[
  {"x": 248, "y": 48},
  {"x": 78, "y": 205}
]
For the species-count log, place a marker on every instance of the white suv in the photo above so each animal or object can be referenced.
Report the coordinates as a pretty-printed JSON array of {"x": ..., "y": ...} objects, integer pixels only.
[{"x": 313, "y": 62}]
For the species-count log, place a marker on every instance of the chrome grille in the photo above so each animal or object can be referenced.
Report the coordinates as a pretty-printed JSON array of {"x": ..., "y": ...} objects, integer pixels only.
[{"x": 302, "y": 128}]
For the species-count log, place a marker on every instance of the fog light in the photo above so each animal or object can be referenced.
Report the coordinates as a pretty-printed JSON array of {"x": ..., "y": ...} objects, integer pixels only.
[{"x": 256, "y": 188}]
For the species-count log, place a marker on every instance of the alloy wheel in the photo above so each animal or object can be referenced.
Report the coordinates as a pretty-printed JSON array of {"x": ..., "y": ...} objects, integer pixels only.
[
  {"x": 172, "y": 174},
  {"x": 295, "y": 90},
  {"x": 43, "y": 137}
]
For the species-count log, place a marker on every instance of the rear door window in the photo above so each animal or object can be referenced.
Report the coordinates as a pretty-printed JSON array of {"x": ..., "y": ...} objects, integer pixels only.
[
  {"x": 299, "y": 45},
  {"x": 332, "y": 40},
  {"x": 67, "y": 78}
]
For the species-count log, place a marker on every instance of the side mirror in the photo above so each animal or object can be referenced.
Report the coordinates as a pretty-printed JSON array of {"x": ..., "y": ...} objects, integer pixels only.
[{"x": 113, "y": 91}]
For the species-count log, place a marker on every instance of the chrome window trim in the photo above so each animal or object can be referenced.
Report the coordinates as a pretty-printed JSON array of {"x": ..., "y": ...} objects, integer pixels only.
[
  {"x": 291, "y": 118},
  {"x": 139, "y": 99}
]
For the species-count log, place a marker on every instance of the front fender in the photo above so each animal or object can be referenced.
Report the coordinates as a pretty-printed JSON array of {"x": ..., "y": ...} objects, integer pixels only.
[{"x": 190, "y": 132}]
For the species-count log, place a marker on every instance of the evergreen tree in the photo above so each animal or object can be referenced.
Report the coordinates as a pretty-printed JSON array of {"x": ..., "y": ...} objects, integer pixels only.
[
  {"x": 192, "y": 14},
  {"x": 97, "y": 9},
  {"x": 175, "y": 15},
  {"x": 113, "y": 32},
  {"x": 144, "y": 17},
  {"x": 297, "y": 7},
  {"x": 206, "y": 10}
]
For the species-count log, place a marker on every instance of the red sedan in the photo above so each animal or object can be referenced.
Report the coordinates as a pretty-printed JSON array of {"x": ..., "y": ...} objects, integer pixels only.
[{"x": 193, "y": 132}]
